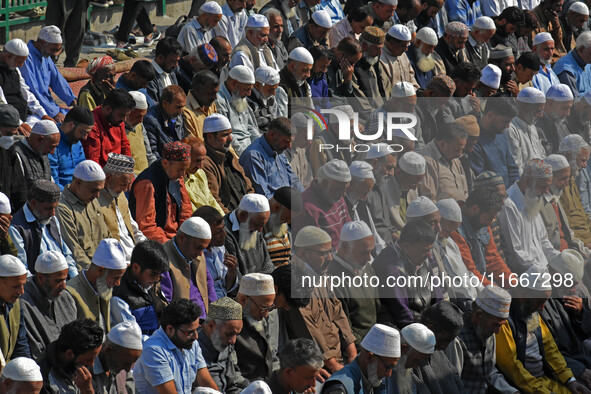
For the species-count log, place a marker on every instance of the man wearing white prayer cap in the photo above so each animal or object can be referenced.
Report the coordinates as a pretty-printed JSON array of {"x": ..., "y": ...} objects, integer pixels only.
[
  {"x": 45, "y": 305},
  {"x": 7, "y": 245},
  {"x": 379, "y": 354},
  {"x": 232, "y": 104},
  {"x": 294, "y": 76},
  {"x": 121, "y": 349},
  {"x": 394, "y": 55},
  {"x": 244, "y": 227},
  {"x": 267, "y": 100},
  {"x": 529, "y": 299},
  {"x": 573, "y": 22},
  {"x": 403, "y": 99},
  {"x": 423, "y": 208},
  {"x": 199, "y": 30},
  {"x": 252, "y": 50},
  {"x": 31, "y": 153},
  {"x": 553, "y": 124},
  {"x": 522, "y": 227},
  {"x": 92, "y": 288},
  {"x": 315, "y": 32},
  {"x": 523, "y": 136},
  {"x": 361, "y": 304},
  {"x": 401, "y": 188},
  {"x": 186, "y": 250},
  {"x": 543, "y": 46},
  {"x": 253, "y": 347},
  {"x": 477, "y": 48},
  {"x": 78, "y": 203},
  {"x": 134, "y": 129},
  {"x": 13, "y": 276},
  {"x": 490, "y": 81},
  {"x": 40, "y": 73},
  {"x": 313, "y": 254},
  {"x": 488, "y": 314},
  {"x": 324, "y": 203},
  {"x": 21, "y": 375}
]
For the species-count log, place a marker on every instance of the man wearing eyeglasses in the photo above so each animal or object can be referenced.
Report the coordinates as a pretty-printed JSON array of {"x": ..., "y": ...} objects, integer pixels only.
[
  {"x": 380, "y": 351},
  {"x": 256, "y": 357},
  {"x": 171, "y": 360}
]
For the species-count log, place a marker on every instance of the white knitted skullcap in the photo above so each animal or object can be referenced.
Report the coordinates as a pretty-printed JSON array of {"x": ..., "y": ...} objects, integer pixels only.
[
  {"x": 557, "y": 162},
  {"x": 572, "y": 142},
  {"x": 419, "y": 337},
  {"x": 301, "y": 54},
  {"x": 257, "y": 21},
  {"x": 127, "y": 334},
  {"x": 400, "y": 32},
  {"x": 196, "y": 227},
  {"x": 51, "y": 34},
  {"x": 206, "y": 390},
  {"x": 89, "y": 171},
  {"x": 310, "y": 236},
  {"x": 322, "y": 18},
  {"x": 5, "y": 208},
  {"x": 531, "y": 95},
  {"x": 428, "y": 36},
  {"x": 242, "y": 74},
  {"x": 495, "y": 301},
  {"x": 569, "y": 261},
  {"x": 22, "y": 369},
  {"x": 559, "y": 92},
  {"x": 140, "y": 100},
  {"x": 347, "y": 109},
  {"x": 337, "y": 170},
  {"x": 50, "y": 262},
  {"x": 450, "y": 210},
  {"x": 541, "y": 38},
  {"x": 211, "y": 7},
  {"x": 257, "y": 285},
  {"x": 45, "y": 127},
  {"x": 361, "y": 169},
  {"x": 383, "y": 341},
  {"x": 403, "y": 89},
  {"x": 484, "y": 23},
  {"x": 420, "y": 206},
  {"x": 491, "y": 76},
  {"x": 11, "y": 266},
  {"x": 17, "y": 47},
  {"x": 254, "y": 203},
  {"x": 110, "y": 255},
  {"x": 216, "y": 122},
  {"x": 389, "y": 2},
  {"x": 354, "y": 231},
  {"x": 378, "y": 150},
  {"x": 267, "y": 75},
  {"x": 258, "y": 387},
  {"x": 580, "y": 8},
  {"x": 412, "y": 163}
]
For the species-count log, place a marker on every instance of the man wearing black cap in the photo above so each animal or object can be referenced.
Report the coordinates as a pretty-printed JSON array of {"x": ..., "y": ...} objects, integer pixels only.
[
  {"x": 285, "y": 202},
  {"x": 35, "y": 229},
  {"x": 75, "y": 128},
  {"x": 12, "y": 179}
]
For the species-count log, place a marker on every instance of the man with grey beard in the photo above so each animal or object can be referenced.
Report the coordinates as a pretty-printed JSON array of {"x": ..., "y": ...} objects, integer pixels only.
[
  {"x": 543, "y": 46},
  {"x": 284, "y": 9},
  {"x": 526, "y": 242},
  {"x": 526, "y": 351},
  {"x": 217, "y": 337},
  {"x": 285, "y": 203},
  {"x": 277, "y": 27},
  {"x": 553, "y": 126},
  {"x": 92, "y": 288},
  {"x": 417, "y": 344},
  {"x": 421, "y": 56},
  {"x": 231, "y": 102},
  {"x": 34, "y": 229},
  {"x": 244, "y": 227},
  {"x": 480, "y": 34}
]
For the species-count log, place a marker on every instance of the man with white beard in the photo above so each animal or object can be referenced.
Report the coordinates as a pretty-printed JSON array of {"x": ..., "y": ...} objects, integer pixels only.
[
  {"x": 294, "y": 77},
  {"x": 256, "y": 357},
  {"x": 523, "y": 136},
  {"x": 553, "y": 127},
  {"x": 543, "y": 46},
  {"x": 379, "y": 354},
  {"x": 244, "y": 227},
  {"x": 555, "y": 219},
  {"x": 397, "y": 65},
  {"x": 92, "y": 288},
  {"x": 252, "y": 50},
  {"x": 231, "y": 102},
  {"x": 217, "y": 337},
  {"x": 21, "y": 375},
  {"x": 579, "y": 170},
  {"x": 285, "y": 203},
  {"x": 268, "y": 101},
  {"x": 526, "y": 242},
  {"x": 576, "y": 151},
  {"x": 417, "y": 343},
  {"x": 477, "y": 48},
  {"x": 420, "y": 55}
]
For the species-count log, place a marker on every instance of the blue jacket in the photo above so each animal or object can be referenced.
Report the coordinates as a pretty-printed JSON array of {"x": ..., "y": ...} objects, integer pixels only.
[
  {"x": 570, "y": 69},
  {"x": 319, "y": 88},
  {"x": 492, "y": 153},
  {"x": 159, "y": 131},
  {"x": 463, "y": 11},
  {"x": 352, "y": 379},
  {"x": 63, "y": 161},
  {"x": 122, "y": 84}
]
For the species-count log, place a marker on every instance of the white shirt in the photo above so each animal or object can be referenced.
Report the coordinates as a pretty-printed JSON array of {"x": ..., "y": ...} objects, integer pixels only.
[
  {"x": 162, "y": 74},
  {"x": 454, "y": 266},
  {"x": 524, "y": 142},
  {"x": 231, "y": 26},
  {"x": 493, "y": 8},
  {"x": 341, "y": 30},
  {"x": 527, "y": 240},
  {"x": 127, "y": 241},
  {"x": 193, "y": 34}
]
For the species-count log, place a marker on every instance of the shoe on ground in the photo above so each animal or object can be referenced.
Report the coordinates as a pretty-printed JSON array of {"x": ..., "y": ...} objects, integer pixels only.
[
  {"x": 122, "y": 45},
  {"x": 100, "y": 3},
  {"x": 149, "y": 39}
]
